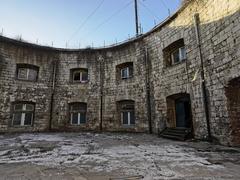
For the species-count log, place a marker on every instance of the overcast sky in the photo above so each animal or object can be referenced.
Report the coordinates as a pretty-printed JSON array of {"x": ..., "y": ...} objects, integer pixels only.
[{"x": 80, "y": 23}]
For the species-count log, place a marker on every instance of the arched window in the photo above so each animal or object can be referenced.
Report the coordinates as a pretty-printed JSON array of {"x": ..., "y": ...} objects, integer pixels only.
[{"x": 78, "y": 112}]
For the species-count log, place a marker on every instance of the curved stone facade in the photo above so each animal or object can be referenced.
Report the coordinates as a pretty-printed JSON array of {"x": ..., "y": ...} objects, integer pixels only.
[{"x": 158, "y": 73}]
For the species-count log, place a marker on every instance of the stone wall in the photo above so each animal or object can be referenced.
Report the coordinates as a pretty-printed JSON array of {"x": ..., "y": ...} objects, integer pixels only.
[
  {"x": 219, "y": 39},
  {"x": 68, "y": 92},
  {"x": 13, "y": 90},
  {"x": 115, "y": 89},
  {"x": 219, "y": 34}
]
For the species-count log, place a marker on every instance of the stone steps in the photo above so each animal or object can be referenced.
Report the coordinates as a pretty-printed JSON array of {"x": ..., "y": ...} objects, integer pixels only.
[{"x": 176, "y": 133}]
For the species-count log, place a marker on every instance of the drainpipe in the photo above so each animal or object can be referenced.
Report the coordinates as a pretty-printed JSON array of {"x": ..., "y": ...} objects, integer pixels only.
[
  {"x": 149, "y": 110},
  {"x": 203, "y": 83},
  {"x": 100, "y": 59},
  {"x": 52, "y": 94}
]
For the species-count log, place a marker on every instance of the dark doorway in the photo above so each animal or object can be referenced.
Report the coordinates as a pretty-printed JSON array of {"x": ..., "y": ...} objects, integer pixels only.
[
  {"x": 233, "y": 104},
  {"x": 183, "y": 112},
  {"x": 179, "y": 117},
  {"x": 179, "y": 111}
]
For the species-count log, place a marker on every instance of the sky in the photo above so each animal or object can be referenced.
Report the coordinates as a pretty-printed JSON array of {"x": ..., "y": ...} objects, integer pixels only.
[{"x": 80, "y": 23}]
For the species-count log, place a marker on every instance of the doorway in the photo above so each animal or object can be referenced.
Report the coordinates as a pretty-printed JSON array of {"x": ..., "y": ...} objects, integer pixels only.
[
  {"x": 179, "y": 111},
  {"x": 233, "y": 105},
  {"x": 183, "y": 112}
]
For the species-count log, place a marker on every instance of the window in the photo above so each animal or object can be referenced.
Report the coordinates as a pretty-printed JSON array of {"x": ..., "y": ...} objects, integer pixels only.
[
  {"x": 27, "y": 72},
  {"x": 23, "y": 114},
  {"x": 175, "y": 53},
  {"x": 127, "y": 112},
  {"x": 128, "y": 118},
  {"x": 125, "y": 71},
  {"x": 178, "y": 55},
  {"x": 80, "y": 75},
  {"x": 78, "y": 113}
]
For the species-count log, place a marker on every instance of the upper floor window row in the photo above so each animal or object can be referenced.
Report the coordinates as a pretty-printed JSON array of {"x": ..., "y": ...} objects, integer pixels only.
[
  {"x": 27, "y": 72},
  {"x": 175, "y": 53}
]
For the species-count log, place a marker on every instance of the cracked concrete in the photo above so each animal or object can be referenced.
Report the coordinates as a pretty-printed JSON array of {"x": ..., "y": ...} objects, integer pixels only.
[{"x": 91, "y": 156}]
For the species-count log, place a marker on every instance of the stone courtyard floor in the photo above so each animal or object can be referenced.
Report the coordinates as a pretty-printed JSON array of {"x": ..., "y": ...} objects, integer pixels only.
[{"x": 90, "y": 156}]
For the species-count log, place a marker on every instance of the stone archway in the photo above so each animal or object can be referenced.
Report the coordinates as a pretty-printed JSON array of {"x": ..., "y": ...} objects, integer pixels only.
[{"x": 233, "y": 105}]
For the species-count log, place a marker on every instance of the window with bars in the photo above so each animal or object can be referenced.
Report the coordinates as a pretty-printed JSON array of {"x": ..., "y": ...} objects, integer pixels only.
[
  {"x": 23, "y": 114},
  {"x": 78, "y": 112},
  {"x": 79, "y": 75},
  {"x": 27, "y": 72}
]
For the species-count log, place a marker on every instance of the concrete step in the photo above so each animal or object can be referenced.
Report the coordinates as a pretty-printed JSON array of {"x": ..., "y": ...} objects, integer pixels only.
[
  {"x": 173, "y": 137},
  {"x": 176, "y": 133}
]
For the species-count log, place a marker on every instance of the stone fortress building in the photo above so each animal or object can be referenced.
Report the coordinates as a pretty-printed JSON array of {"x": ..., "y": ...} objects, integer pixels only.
[{"x": 184, "y": 73}]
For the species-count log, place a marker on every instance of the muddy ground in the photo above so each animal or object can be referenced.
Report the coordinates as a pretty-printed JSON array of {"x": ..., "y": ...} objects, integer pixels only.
[{"x": 91, "y": 156}]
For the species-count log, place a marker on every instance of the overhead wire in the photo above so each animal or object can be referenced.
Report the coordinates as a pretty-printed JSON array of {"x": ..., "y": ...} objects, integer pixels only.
[
  {"x": 109, "y": 18},
  {"x": 86, "y": 20},
  {"x": 114, "y": 14},
  {"x": 149, "y": 10},
  {"x": 164, "y": 4}
]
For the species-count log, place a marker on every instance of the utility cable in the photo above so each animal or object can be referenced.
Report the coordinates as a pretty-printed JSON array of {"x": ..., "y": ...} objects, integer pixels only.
[
  {"x": 149, "y": 10},
  {"x": 164, "y": 4},
  {"x": 86, "y": 20},
  {"x": 110, "y": 17}
]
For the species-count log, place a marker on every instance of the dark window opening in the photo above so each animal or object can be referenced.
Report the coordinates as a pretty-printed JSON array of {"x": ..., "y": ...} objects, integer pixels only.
[
  {"x": 128, "y": 117},
  {"x": 76, "y": 76}
]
